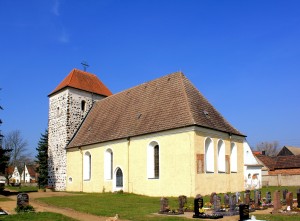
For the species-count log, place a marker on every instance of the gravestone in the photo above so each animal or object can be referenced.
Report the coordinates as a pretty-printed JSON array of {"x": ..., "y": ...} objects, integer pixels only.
[
  {"x": 232, "y": 202},
  {"x": 257, "y": 198},
  {"x": 284, "y": 192},
  {"x": 277, "y": 204},
  {"x": 247, "y": 197},
  {"x": 237, "y": 194},
  {"x": 22, "y": 199},
  {"x": 164, "y": 205},
  {"x": 289, "y": 200},
  {"x": 198, "y": 204},
  {"x": 268, "y": 198},
  {"x": 244, "y": 212},
  {"x": 226, "y": 200},
  {"x": 182, "y": 200},
  {"x": 298, "y": 198},
  {"x": 217, "y": 203},
  {"x": 211, "y": 200}
]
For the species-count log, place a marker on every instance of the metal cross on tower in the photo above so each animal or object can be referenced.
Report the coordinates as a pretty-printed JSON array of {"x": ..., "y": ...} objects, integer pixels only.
[{"x": 85, "y": 65}]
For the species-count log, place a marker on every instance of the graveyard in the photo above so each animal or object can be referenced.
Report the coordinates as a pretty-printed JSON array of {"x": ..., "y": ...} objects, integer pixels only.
[{"x": 264, "y": 204}]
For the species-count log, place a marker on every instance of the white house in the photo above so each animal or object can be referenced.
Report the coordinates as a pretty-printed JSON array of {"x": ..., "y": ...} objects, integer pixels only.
[
  {"x": 30, "y": 174},
  {"x": 252, "y": 169}
]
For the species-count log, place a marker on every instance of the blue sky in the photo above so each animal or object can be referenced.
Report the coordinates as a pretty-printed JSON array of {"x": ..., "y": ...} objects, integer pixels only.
[{"x": 243, "y": 56}]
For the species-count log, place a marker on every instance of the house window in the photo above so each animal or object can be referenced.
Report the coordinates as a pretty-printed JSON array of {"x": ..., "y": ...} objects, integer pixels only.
[
  {"x": 233, "y": 158},
  {"x": 221, "y": 156},
  {"x": 87, "y": 166},
  {"x": 153, "y": 160},
  {"x": 83, "y": 104},
  {"x": 209, "y": 156},
  {"x": 108, "y": 164}
]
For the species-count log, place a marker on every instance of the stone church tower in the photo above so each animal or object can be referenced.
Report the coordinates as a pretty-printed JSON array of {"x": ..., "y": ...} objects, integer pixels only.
[{"x": 69, "y": 103}]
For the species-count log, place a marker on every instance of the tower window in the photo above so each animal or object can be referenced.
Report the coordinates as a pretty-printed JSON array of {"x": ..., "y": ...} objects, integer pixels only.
[{"x": 83, "y": 105}]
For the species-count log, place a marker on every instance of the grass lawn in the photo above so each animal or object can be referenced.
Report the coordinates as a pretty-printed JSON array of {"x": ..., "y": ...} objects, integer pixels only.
[
  {"x": 136, "y": 207},
  {"x": 36, "y": 217},
  {"x": 22, "y": 188}
]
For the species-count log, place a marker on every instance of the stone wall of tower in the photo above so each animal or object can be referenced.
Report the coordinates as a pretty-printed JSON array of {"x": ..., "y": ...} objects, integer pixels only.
[{"x": 67, "y": 109}]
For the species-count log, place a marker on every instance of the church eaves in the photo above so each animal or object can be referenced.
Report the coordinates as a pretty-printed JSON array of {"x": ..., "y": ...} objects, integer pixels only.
[
  {"x": 166, "y": 103},
  {"x": 84, "y": 81}
]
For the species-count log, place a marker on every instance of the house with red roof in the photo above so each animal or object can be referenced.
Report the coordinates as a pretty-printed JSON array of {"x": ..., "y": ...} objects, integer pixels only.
[
  {"x": 159, "y": 138},
  {"x": 280, "y": 170},
  {"x": 29, "y": 174}
]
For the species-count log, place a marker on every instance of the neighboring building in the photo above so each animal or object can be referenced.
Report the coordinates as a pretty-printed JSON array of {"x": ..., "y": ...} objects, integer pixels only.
[
  {"x": 289, "y": 151},
  {"x": 280, "y": 170},
  {"x": 252, "y": 169},
  {"x": 160, "y": 138},
  {"x": 15, "y": 174},
  {"x": 30, "y": 174}
]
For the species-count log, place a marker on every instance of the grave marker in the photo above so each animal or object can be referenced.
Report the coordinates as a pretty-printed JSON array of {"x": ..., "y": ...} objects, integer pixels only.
[
  {"x": 198, "y": 204},
  {"x": 244, "y": 212},
  {"x": 298, "y": 198},
  {"x": 22, "y": 199},
  {"x": 277, "y": 204}
]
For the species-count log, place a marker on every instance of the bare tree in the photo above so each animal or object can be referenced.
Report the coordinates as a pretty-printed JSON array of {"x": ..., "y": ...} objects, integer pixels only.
[
  {"x": 270, "y": 148},
  {"x": 18, "y": 145}
]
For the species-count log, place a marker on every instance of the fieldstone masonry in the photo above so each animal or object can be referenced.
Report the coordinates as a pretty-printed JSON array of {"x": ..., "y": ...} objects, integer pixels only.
[{"x": 67, "y": 109}]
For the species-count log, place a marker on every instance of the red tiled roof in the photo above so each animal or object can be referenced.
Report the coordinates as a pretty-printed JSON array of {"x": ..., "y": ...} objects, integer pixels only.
[
  {"x": 84, "y": 81},
  {"x": 268, "y": 161},
  {"x": 31, "y": 170},
  {"x": 293, "y": 171},
  {"x": 285, "y": 162},
  {"x": 280, "y": 162},
  {"x": 166, "y": 103},
  {"x": 10, "y": 169}
]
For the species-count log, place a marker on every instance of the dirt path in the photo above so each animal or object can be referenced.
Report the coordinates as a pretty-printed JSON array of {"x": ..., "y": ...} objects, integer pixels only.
[{"x": 9, "y": 206}]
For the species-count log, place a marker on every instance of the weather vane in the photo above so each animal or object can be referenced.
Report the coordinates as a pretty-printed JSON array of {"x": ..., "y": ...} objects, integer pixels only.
[{"x": 85, "y": 65}]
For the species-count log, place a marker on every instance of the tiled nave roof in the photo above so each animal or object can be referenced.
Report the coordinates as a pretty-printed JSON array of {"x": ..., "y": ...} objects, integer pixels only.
[{"x": 166, "y": 103}]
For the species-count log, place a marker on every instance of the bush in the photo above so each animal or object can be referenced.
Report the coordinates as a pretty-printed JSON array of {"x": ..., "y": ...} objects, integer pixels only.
[{"x": 24, "y": 209}]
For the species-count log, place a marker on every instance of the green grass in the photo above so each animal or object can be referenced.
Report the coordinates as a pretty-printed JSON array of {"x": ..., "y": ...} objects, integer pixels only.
[
  {"x": 36, "y": 217},
  {"x": 134, "y": 207},
  {"x": 128, "y": 206},
  {"x": 22, "y": 188},
  {"x": 270, "y": 217}
]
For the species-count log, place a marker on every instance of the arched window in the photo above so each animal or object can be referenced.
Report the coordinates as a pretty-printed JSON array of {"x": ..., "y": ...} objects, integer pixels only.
[
  {"x": 233, "y": 158},
  {"x": 108, "y": 164},
  {"x": 153, "y": 160},
  {"x": 119, "y": 178},
  {"x": 221, "y": 156},
  {"x": 87, "y": 160},
  {"x": 83, "y": 105},
  {"x": 209, "y": 156}
]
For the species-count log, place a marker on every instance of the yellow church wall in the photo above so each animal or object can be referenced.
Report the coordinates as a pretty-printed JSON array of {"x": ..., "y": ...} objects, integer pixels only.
[
  {"x": 178, "y": 166},
  {"x": 206, "y": 183}
]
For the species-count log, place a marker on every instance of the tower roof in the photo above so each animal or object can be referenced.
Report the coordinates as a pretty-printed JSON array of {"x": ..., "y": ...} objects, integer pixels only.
[
  {"x": 84, "y": 81},
  {"x": 166, "y": 103}
]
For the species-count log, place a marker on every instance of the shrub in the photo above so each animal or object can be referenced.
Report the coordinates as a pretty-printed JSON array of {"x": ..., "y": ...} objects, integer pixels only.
[{"x": 24, "y": 209}]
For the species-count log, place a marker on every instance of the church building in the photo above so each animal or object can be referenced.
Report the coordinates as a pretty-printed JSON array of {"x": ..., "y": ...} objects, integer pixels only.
[{"x": 160, "y": 138}]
